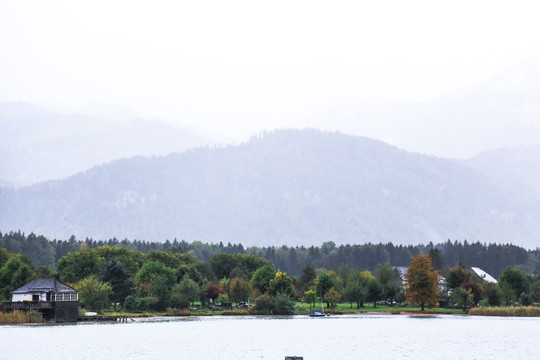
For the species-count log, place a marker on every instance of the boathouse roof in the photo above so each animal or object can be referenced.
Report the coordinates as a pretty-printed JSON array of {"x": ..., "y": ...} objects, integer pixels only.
[{"x": 44, "y": 285}]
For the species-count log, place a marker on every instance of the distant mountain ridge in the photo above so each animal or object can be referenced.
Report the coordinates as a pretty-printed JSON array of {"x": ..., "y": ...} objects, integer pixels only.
[
  {"x": 40, "y": 144},
  {"x": 283, "y": 187},
  {"x": 517, "y": 170}
]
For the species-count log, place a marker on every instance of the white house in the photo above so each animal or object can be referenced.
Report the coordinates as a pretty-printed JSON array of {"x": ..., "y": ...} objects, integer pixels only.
[{"x": 44, "y": 290}]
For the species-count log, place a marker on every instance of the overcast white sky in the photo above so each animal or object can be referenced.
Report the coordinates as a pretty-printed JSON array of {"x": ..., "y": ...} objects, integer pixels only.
[{"x": 238, "y": 67}]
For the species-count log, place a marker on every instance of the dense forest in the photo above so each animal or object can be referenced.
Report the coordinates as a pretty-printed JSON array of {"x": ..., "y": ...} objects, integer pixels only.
[
  {"x": 493, "y": 258},
  {"x": 172, "y": 276}
]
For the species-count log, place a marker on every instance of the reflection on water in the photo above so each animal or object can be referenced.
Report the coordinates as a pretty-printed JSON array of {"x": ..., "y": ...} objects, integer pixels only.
[{"x": 251, "y": 337}]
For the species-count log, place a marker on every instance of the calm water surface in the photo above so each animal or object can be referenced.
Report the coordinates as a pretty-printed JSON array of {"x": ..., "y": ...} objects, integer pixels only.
[{"x": 339, "y": 337}]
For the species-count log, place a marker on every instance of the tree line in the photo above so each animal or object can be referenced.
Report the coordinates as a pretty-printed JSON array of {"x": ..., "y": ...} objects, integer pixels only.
[
  {"x": 175, "y": 279},
  {"x": 492, "y": 258}
]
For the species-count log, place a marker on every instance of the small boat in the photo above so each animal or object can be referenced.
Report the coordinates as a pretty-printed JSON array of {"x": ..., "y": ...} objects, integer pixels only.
[{"x": 319, "y": 313}]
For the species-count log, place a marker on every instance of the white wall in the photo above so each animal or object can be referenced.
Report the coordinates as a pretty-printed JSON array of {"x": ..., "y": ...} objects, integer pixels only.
[{"x": 23, "y": 297}]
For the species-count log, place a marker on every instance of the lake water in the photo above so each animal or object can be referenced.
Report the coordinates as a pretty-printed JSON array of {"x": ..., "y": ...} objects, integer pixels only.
[{"x": 338, "y": 337}]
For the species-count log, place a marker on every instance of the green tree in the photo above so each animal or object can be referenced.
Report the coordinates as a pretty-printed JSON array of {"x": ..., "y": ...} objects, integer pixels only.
[
  {"x": 14, "y": 274},
  {"x": 21, "y": 276},
  {"x": 4, "y": 257},
  {"x": 355, "y": 292},
  {"x": 463, "y": 298},
  {"x": 131, "y": 260},
  {"x": 332, "y": 297},
  {"x": 250, "y": 263},
  {"x": 187, "y": 289},
  {"x": 79, "y": 265},
  {"x": 154, "y": 281},
  {"x": 324, "y": 283},
  {"x": 223, "y": 264},
  {"x": 93, "y": 294},
  {"x": 492, "y": 294},
  {"x": 310, "y": 297},
  {"x": 223, "y": 298},
  {"x": 240, "y": 290},
  {"x": 535, "y": 291},
  {"x": 422, "y": 282},
  {"x": 374, "y": 291},
  {"x": 508, "y": 295},
  {"x": 44, "y": 272},
  {"x": 457, "y": 276},
  {"x": 362, "y": 278},
  {"x": 120, "y": 280},
  {"x": 388, "y": 279},
  {"x": 282, "y": 284},
  {"x": 475, "y": 290},
  {"x": 437, "y": 260},
  {"x": 515, "y": 279},
  {"x": 262, "y": 277},
  {"x": 307, "y": 277},
  {"x": 192, "y": 271}
]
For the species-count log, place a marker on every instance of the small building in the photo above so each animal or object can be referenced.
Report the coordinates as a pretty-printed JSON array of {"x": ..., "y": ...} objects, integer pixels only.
[{"x": 56, "y": 301}]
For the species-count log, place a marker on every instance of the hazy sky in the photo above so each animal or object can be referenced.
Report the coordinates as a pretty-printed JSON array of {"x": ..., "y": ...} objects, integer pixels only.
[{"x": 238, "y": 67}]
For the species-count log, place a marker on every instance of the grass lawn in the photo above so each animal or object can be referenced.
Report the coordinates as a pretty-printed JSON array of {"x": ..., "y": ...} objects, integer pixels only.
[{"x": 345, "y": 308}]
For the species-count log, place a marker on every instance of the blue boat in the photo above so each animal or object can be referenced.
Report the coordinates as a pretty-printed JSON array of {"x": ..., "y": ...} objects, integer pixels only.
[{"x": 317, "y": 314}]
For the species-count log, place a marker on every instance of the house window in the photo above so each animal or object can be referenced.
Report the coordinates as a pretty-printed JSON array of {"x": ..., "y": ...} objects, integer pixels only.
[
  {"x": 59, "y": 297},
  {"x": 74, "y": 297},
  {"x": 53, "y": 297}
]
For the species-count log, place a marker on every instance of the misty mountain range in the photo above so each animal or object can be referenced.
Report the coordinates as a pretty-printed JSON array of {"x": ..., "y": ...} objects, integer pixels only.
[
  {"x": 503, "y": 112},
  {"x": 39, "y": 144},
  {"x": 291, "y": 187}
]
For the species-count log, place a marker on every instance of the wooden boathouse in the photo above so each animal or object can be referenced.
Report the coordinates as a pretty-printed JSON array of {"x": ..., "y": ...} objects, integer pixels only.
[{"x": 56, "y": 301}]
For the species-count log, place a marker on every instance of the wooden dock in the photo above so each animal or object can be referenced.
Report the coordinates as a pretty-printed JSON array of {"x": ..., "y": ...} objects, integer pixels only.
[{"x": 105, "y": 318}]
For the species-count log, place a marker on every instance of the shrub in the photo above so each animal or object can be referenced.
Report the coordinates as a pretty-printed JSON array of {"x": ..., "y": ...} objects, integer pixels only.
[
  {"x": 134, "y": 303},
  {"x": 263, "y": 305},
  {"x": 283, "y": 305}
]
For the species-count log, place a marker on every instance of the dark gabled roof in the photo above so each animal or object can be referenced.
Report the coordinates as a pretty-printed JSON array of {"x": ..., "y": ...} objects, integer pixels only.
[{"x": 44, "y": 285}]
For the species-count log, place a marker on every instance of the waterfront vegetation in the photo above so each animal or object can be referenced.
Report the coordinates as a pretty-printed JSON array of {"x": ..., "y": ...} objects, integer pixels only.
[
  {"x": 20, "y": 317},
  {"x": 506, "y": 311},
  {"x": 179, "y": 283}
]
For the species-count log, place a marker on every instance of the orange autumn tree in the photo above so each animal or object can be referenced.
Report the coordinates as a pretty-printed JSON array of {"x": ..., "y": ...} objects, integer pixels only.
[{"x": 422, "y": 282}]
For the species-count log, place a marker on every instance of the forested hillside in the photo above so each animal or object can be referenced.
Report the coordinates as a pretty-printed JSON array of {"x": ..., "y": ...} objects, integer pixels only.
[
  {"x": 293, "y": 187},
  {"x": 493, "y": 258},
  {"x": 40, "y": 144}
]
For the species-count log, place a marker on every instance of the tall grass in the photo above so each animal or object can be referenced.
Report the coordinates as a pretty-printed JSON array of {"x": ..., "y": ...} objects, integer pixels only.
[
  {"x": 506, "y": 311},
  {"x": 20, "y": 317},
  {"x": 235, "y": 312}
]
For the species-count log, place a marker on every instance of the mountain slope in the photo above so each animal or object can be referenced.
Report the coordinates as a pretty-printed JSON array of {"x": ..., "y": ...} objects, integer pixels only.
[
  {"x": 40, "y": 144},
  {"x": 517, "y": 170},
  {"x": 289, "y": 186}
]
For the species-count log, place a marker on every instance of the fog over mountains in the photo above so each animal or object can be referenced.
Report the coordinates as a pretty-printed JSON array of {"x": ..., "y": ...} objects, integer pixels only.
[
  {"x": 39, "y": 144},
  {"x": 291, "y": 187},
  {"x": 503, "y": 112}
]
